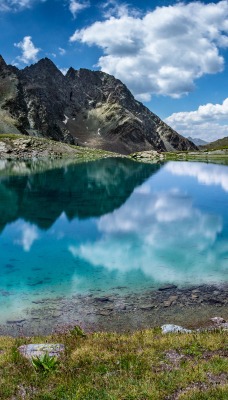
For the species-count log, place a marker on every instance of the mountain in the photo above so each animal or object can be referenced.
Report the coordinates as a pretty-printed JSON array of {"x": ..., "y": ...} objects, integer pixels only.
[
  {"x": 89, "y": 108},
  {"x": 217, "y": 144},
  {"x": 197, "y": 141}
]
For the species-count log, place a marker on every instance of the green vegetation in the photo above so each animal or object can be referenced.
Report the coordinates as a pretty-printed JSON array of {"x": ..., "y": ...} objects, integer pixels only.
[
  {"x": 103, "y": 366},
  {"x": 45, "y": 363},
  {"x": 203, "y": 155},
  {"x": 219, "y": 144}
]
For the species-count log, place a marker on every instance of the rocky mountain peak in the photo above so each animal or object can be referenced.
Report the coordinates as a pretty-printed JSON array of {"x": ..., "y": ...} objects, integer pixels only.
[
  {"x": 3, "y": 65},
  {"x": 89, "y": 108},
  {"x": 43, "y": 69},
  {"x": 43, "y": 63},
  {"x": 2, "y": 62}
]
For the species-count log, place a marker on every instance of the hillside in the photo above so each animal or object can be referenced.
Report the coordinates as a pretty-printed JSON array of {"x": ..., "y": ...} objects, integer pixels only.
[{"x": 217, "y": 144}]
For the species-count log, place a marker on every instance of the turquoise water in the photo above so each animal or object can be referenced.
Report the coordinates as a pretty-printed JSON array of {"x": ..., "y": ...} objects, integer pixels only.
[{"x": 109, "y": 225}]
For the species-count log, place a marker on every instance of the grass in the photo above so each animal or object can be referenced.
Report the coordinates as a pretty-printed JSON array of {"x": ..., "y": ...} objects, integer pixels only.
[{"x": 103, "y": 366}]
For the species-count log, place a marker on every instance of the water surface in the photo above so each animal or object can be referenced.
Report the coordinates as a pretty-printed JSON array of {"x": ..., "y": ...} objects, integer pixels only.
[{"x": 109, "y": 226}]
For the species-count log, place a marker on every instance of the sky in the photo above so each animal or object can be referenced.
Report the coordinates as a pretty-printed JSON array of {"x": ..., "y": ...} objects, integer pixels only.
[{"x": 172, "y": 55}]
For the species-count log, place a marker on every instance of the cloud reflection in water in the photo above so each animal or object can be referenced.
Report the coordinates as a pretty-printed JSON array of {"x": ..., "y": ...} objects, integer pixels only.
[
  {"x": 160, "y": 233},
  {"x": 208, "y": 174}
]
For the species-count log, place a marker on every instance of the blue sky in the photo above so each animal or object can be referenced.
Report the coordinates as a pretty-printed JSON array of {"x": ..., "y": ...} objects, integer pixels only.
[{"x": 172, "y": 55}]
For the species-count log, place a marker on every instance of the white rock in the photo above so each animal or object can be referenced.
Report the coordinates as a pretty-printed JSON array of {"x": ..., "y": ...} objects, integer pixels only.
[
  {"x": 170, "y": 328},
  {"x": 218, "y": 320},
  {"x": 36, "y": 350},
  {"x": 66, "y": 119}
]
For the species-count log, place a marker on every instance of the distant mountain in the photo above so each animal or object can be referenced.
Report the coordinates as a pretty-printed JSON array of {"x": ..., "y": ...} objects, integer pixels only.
[
  {"x": 197, "y": 141},
  {"x": 218, "y": 144},
  {"x": 89, "y": 108}
]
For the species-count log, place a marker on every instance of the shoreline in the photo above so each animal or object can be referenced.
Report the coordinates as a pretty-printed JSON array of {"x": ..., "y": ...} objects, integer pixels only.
[
  {"x": 27, "y": 148},
  {"x": 191, "y": 307}
]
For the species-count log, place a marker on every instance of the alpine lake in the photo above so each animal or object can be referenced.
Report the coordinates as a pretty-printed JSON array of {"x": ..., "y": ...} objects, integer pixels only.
[{"x": 112, "y": 244}]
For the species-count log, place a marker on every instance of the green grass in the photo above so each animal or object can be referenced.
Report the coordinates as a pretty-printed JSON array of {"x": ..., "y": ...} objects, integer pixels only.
[{"x": 106, "y": 366}]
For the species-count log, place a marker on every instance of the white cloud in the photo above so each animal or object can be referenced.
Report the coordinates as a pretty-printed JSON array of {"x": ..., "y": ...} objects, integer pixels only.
[
  {"x": 164, "y": 51},
  {"x": 17, "y": 5},
  {"x": 64, "y": 70},
  {"x": 76, "y": 6},
  {"x": 209, "y": 122},
  {"x": 113, "y": 8},
  {"x": 207, "y": 174},
  {"x": 29, "y": 51},
  {"x": 62, "y": 51}
]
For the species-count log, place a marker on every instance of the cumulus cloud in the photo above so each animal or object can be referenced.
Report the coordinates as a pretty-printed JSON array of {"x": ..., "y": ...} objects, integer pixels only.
[
  {"x": 207, "y": 174},
  {"x": 17, "y": 5},
  {"x": 164, "y": 51},
  {"x": 143, "y": 235},
  {"x": 208, "y": 122},
  {"x": 76, "y": 6},
  {"x": 29, "y": 51}
]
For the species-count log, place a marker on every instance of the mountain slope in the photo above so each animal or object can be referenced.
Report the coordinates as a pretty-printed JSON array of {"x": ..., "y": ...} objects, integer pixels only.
[
  {"x": 217, "y": 144},
  {"x": 89, "y": 108},
  {"x": 197, "y": 141}
]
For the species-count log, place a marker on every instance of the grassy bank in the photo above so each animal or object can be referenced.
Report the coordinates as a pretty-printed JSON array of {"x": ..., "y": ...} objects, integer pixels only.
[{"x": 140, "y": 366}]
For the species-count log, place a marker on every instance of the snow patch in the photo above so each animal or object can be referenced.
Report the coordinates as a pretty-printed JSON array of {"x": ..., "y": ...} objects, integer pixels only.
[{"x": 66, "y": 119}]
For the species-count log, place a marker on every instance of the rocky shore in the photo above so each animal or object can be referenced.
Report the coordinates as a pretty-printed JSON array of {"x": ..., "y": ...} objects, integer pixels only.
[
  {"x": 21, "y": 147},
  {"x": 120, "y": 311}
]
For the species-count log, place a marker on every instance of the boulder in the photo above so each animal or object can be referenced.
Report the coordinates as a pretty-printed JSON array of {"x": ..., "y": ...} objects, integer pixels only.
[
  {"x": 170, "y": 328},
  {"x": 37, "y": 350}
]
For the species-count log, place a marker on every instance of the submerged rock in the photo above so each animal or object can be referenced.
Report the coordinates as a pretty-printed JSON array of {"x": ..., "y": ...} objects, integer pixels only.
[{"x": 167, "y": 287}]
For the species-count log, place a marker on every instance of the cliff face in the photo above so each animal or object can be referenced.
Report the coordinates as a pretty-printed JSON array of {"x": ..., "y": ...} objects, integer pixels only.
[{"x": 89, "y": 108}]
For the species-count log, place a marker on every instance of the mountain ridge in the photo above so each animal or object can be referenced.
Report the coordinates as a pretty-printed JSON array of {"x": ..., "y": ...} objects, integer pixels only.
[
  {"x": 88, "y": 108},
  {"x": 197, "y": 141},
  {"x": 217, "y": 144}
]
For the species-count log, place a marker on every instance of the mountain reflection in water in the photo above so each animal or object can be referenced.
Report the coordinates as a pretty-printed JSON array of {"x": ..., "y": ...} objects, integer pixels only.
[{"x": 79, "y": 190}]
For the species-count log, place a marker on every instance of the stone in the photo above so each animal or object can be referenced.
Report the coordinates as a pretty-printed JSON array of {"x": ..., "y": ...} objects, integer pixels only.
[
  {"x": 218, "y": 320},
  {"x": 36, "y": 350},
  {"x": 170, "y": 328},
  {"x": 167, "y": 287},
  {"x": 103, "y": 299},
  {"x": 167, "y": 303},
  {"x": 194, "y": 296},
  {"x": 146, "y": 307}
]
